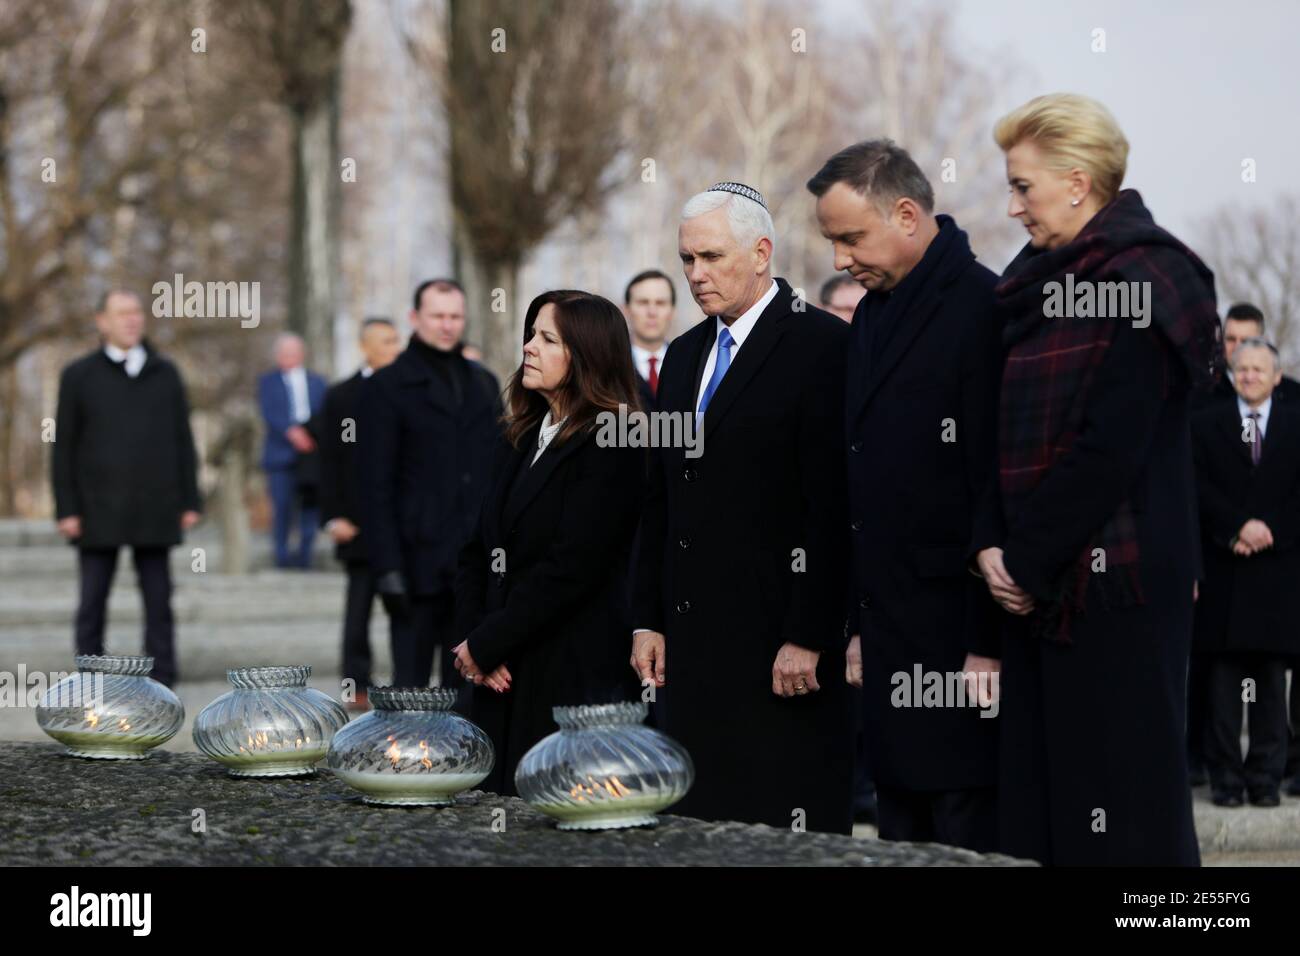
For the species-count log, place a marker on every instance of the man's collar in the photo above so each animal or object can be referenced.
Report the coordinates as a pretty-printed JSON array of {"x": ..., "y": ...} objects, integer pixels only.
[
  {"x": 1264, "y": 407},
  {"x": 744, "y": 325}
]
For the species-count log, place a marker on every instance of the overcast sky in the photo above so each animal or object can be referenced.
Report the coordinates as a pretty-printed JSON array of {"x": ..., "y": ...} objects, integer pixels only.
[{"x": 1196, "y": 85}]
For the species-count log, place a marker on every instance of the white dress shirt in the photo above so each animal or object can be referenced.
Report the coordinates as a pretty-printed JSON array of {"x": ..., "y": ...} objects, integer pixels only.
[
  {"x": 548, "y": 432},
  {"x": 134, "y": 357},
  {"x": 641, "y": 359},
  {"x": 740, "y": 330},
  {"x": 367, "y": 371},
  {"x": 1265, "y": 407},
  {"x": 295, "y": 380}
]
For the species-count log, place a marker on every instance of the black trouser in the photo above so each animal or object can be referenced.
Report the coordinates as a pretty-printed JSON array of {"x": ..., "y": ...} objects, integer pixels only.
[
  {"x": 97, "y": 567},
  {"x": 1266, "y": 756},
  {"x": 428, "y": 625},
  {"x": 966, "y": 818},
  {"x": 1198, "y": 709},
  {"x": 356, "y": 624}
]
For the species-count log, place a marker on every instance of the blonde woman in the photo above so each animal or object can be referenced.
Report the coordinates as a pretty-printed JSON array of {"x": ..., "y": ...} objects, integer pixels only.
[{"x": 1094, "y": 548}]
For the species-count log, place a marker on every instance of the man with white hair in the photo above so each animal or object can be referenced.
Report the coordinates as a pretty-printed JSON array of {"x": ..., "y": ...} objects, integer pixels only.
[
  {"x": 743, "y": 548},
  {"x": 1247, "y": 458},
  {"x": 288, "y": 397}
]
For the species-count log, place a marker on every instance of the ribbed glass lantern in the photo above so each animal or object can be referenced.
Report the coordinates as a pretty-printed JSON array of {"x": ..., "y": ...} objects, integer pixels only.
[
  {"x": 111, "y": 709},
  {"x": 270, "y": 725},
  {"x": 604, "y": 769},
  {"x": 412, "y": 749}
]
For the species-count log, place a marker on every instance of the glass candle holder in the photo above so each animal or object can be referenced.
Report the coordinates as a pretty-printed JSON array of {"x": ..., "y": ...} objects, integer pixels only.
[
  {"x": 603, "y": 769},
  {"x": 270, "y": 725},
  {"x": 411, "y": 750},
  {"x": 111, "y": 709}
]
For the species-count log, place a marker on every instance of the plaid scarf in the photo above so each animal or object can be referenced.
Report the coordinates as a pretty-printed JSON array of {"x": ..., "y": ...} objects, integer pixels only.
[{"x": 1051, "y": 364}]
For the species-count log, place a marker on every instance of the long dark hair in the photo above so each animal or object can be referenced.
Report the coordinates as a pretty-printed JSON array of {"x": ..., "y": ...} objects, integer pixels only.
[{"x": 601, "y": 374}]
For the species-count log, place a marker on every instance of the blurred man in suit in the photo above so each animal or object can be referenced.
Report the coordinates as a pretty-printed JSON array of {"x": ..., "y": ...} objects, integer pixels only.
[
  {"x": 125, "y": 473},
  {"x": 840, "y": 296},
  {"x": 649, "y": 302},
  {"x": 288, "y": 397},
  {"x": 1247, "y": 458},
  {"x": 1242, "y": 321},
  {"x": 743, "y": 547},
  {"x": 340, "y": 498},
  {"x": 425, "y": 437},
  {"x": 923, "y": 372}
]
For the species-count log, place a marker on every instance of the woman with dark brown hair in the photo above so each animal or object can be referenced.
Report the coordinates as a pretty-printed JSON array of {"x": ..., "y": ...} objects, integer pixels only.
[{"x": 541, "y": 598}]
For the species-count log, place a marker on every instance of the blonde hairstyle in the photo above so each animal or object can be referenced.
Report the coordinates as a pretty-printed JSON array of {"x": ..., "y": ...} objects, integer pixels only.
[{"x": 1071, "y": 131}]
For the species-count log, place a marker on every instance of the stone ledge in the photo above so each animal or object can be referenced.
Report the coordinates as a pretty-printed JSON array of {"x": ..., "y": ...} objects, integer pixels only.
[{"x": 61, "y": 810}]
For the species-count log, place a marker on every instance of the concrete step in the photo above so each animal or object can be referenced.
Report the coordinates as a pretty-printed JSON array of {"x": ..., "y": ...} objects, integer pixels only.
[
  {"x": 1225, "y": 832},
  {"x": 204, "y": 649},
  {"x": 58, "y": 559},
  {"x": 26, "y": 532},
  {"x": 268, "y": 596}
]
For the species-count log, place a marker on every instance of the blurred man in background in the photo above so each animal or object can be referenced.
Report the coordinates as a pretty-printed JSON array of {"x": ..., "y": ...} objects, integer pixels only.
[
  {"x": 840, "y": 296},
  {"x": 649, "y": 302},
  {"x": 340, "y": 499},
  {"x": 1242, "y": 321},
  {"x": 125, "y": 473},
  {"x": 288, "y": 397},
  {"x": 1247, "y": 458},
  {"x": 426, "y": 430}
]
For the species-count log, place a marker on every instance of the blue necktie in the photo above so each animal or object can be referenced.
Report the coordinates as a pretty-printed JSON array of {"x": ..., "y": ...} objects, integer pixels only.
[{"x": 725, "y": 342}]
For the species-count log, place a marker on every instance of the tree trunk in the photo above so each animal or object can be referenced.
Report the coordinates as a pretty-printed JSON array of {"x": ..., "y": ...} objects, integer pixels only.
[
  {"x": 496, "y": 333},
  {"x": 314, "y": 255},
  {"x": 8, "y": 454},
  {"x": 232, "y": 515}
]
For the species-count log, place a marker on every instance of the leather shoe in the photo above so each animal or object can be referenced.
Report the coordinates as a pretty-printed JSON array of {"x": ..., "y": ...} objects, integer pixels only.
[
  {"x": 1265, "y": 798},
  {"x": 1226, "y": 798}
]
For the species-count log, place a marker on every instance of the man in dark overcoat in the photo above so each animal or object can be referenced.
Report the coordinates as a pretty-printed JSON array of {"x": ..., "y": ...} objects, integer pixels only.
[
  {"x": 125, "y": 472},
  {"x": 1247, "y": 457},
  {"x": 740, "y": 592},
  {"x": 923, "y": 372},
  {"x": 426, "y": 431}
]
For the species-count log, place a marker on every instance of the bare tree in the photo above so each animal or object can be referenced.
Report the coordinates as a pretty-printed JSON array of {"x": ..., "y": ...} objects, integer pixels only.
[
  {"x": 1255, "y": 255},
  {"x": 535, "y": 96},
  {"x": 301, "y": 44}
]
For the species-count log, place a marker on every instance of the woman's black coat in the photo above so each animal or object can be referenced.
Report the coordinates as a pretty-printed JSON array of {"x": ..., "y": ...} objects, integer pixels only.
[
  {"x": 1093, "y": 766},
  {"x": 543, "y": 588}
]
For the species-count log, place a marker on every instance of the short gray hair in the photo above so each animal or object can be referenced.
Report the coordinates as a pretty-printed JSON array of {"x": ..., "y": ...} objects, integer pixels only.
[
  {"x": 749, "y": 221},
  {"x": 1255, "y": 342}
]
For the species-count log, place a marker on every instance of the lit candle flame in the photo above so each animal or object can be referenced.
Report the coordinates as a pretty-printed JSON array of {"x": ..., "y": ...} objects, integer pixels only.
[
  {"x": 428, "y": 764},
  {"x": 92, "y": 718}
]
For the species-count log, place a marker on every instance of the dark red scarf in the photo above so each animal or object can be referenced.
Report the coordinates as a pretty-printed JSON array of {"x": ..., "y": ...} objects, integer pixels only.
[{"x": 1052, "y": 363}]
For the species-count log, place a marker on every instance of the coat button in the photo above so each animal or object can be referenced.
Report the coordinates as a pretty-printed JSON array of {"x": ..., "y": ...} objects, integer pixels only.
[
  {"x": 856, "y": 446},
  {"x": 856, "y": 526},
  {"x": 690, "y": 474},
  {"x": 865, "y": 603},
  {"x": 683, "y": 543},
  {"x": 467, "y": 478},
  {"x": 683, "y": 607}
]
